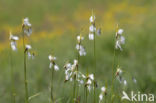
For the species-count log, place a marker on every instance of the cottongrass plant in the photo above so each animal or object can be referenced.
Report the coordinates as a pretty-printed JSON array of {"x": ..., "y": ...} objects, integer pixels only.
[
  {"x": 102, "y": 94},
  {"x": 80, "y": 47},
  {"x": 86, "y": 80},
  {"x": 27, "y": 30},
  {"x": 53, "y": 67},
  {"x": 81, "y": 52},
  {"x": 72, "y": 74},
  {"x": 120, "y": 77},
  {"x": 88, "y": 86},
  {"x": 119, "y": 41},
  {"x": 13, "y": 47},
  {"x": 13, "y": 40},
  {"x": 92, "y": 33}
]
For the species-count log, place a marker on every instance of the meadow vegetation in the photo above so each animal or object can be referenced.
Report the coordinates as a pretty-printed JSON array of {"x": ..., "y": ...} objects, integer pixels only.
[{"x": 55, "y": 27}]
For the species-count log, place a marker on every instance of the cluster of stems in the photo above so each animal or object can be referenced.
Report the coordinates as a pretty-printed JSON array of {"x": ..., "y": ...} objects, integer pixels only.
[
  {"x": 114, "y": 67},
  {"x": 76, "y": 85}
]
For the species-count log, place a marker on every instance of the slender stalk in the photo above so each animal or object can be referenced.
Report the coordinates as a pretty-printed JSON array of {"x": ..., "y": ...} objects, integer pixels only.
[
  {"x": 94, "y": 61},
  {"x": 25, "y": 73},
  {"x": 77, "y": 69},
  {"x": 94, "y": 69},
  {"x": 86, "y": 91},
  {"x": 86, "y": 95},
  {"x": 13, "y": 94},
  {"x": 52, "y": 76},
  {"x": 113, "y": 68},
  {"x": 74, "y": 88},
  {"x": 105, "y": 99}
]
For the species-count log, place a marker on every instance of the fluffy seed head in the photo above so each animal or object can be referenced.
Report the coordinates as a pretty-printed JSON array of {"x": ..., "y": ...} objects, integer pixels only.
[{"x": 92, "y": 19}]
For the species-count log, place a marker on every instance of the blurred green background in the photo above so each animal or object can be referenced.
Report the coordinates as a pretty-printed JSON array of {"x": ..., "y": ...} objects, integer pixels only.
[{"x": 56, "y": 23}]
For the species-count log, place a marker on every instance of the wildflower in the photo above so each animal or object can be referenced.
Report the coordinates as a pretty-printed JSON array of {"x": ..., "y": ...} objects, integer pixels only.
[
  {"x": 100, "y": 97},
  {"x": 103, "y": 92},
  {"x": 56, "y": 67},
  {"x": 119, "y": 39},
  {"x": 125, "y": 82},
  {"x": 91, "y": 76},
  {"x": 28, "y": 47},
  {"x": 89, "y": 81},
  {"x": 91, "y": 36},
  {"x": 82, "y": 51},
  {"x": 92, "y": 30},
  {"x": 75, "y": 62},
  {"x": 92, "y": 27},
  {"x": 67, "y": 66},
  {"x": 92, "y": 19},
  {"x": 27, "y": 27},
  {"x": 120, "y": 31},
  {"x": 118, "y": 72},
  {"x": 51, "y": 58},
  {"x": 52, "y": 63},
  {"x": 13, "y": 37},
  {"x": 13, "y": 40},
  {"x": 80, "y": 38},
  {"x": 79, "y": 47},
  {"x": 29, "y": 52},
  {"x": 119, "y": 75},
  {"x": 99, "y": 32},
  {"x": 71, "y": 71}
]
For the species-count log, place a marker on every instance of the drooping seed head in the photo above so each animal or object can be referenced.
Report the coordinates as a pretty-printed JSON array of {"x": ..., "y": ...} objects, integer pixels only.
[
  {"x": 118, "y": 72},
  {"x": 13, "y": 40},
  {"x": 26, "y": 27},
  {"x": 92, "y": 19}
]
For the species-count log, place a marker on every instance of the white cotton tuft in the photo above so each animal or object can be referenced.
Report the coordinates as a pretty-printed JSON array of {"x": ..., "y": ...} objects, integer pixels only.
[
  {"x": 50, "y": 65},
  {"x": 120, "y": 31},
  {"x": 13, "y": 45},
  {"x": 91, "y": 76},
  {"x": 28, "y": 46},
  {"x": 103, "y": 89},
  {"x": 92, "y": 28},
  {"x": 91, "y": 36},
  {"x": 56, "y": 68},
  {"x": 101, "y": 97},
  {"x": 92, "y": 19}
]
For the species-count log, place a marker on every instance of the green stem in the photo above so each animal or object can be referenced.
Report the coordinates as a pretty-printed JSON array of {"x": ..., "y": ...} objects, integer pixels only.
[
  {"x": 13, "y": 94},
  {"x": 86, "y": 95},
  {"x": 74, "y": 89},
  {"x": 113, "y": 72},
  {"x": 77, "y": 69},
  {"x": 95, "y": 69},
  {"x": 105, "y": 98},
  {"x": 52, "y": 76},
  {"x": 25, "y": 73}
]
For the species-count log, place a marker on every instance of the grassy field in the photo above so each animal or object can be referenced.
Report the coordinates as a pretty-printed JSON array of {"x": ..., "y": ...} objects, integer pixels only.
[{"x": 56, "y": 23}]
